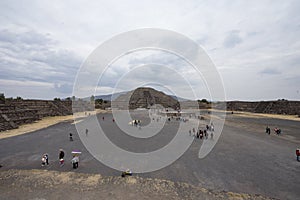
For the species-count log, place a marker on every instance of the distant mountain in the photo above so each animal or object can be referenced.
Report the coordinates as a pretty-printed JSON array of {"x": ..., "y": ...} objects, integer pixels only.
[
  {"x": 109, "y": 97},
  {"x": 180, "y": 99}
]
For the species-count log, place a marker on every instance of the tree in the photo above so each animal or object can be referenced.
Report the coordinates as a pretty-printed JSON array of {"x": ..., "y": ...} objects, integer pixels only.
[
  {"x": 203, "y": 101},
  {"x": 2, "y": 98},
  {"x": 92, "y": 99},
  {"x": 99, "y": 101}
]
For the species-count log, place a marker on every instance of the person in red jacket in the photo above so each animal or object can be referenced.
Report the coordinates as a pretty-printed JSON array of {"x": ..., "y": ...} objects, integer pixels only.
[{"x": 298, "y": 154}]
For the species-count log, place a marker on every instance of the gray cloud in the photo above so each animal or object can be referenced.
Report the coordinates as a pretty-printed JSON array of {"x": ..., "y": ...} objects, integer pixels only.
[
  {"x": 270, "y": 71},
  {"x": 32, "y": 56},
  {"x": 64, "y": 88},
  {"x": 45, "y": 42},
  {"x": 232, "y": 39}
]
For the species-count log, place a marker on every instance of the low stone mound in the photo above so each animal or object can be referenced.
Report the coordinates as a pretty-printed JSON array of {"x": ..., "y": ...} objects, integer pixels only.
[{"x": 43, "y": 184}]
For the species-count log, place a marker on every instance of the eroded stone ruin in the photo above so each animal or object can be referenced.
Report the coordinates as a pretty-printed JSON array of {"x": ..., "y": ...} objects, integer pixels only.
[{"x": 16, "y": 112}]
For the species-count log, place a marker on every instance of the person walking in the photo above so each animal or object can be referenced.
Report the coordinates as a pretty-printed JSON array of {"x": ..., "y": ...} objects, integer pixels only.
[
  {"x": 71, "y": 136},
  {"x": 61, "y": 156},
  {"x": 86, "y": 132},
  {"x": 268, "y": 130}
]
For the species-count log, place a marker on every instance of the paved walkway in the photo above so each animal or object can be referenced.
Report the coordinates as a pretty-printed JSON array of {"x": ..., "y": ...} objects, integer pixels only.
[{"x": 245, "y": 159}]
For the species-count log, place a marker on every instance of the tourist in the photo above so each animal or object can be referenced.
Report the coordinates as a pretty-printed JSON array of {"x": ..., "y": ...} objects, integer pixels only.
[
  {"x": 268, "y": 130},
  {"x": 71, "y": 136},
  {"x": 205, "y": 134},
  {"x": 103, "y": 118},
  {"x": 298, "y": 154},
  {"x": 61, "y": 156},
  {"x": 126, "y": 173},
  {"x": 45, "y": 159},
  {"x": 86, "y": 132},
  {"x": 201, "y": 134},
  {"x": 211, "y": 136},
  {"x": 277, "y": 131},
  {"x": 75, "y": 161}
]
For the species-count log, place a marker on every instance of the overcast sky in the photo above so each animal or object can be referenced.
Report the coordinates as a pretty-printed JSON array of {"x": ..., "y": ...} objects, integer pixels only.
[{"x": 255, "y": 45}]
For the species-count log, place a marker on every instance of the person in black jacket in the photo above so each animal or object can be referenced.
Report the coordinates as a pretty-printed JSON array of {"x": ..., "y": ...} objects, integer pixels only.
[{"x": 61, "y": 156}]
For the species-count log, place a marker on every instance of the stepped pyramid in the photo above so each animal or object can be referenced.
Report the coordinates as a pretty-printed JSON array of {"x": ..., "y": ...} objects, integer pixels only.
[{"x": 144, "y": 97}]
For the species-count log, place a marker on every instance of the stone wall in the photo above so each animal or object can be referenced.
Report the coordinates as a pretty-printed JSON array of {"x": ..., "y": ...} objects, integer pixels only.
[
  {"x": 15, "y": 112},
  {"x": 270, "y": 107}
]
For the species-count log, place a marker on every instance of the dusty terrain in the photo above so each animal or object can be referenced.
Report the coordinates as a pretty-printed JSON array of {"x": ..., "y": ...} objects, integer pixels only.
[{"x": 43, "y": 184}]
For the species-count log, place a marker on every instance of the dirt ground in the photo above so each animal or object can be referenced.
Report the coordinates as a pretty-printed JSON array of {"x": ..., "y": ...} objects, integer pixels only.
[{"x": 43, "y": 184}]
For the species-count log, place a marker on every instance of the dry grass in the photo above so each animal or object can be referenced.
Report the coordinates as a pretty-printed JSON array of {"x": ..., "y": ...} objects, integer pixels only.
[
  {"x": 260, "y": 115},
  {"x": 263, "y": 115}
]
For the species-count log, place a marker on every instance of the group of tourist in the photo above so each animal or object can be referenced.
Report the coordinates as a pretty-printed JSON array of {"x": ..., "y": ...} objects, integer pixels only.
[
  {"x": 277, "y": 131},
  {"x": 202, "y": 134},
  {"x": 136, "y": 123},
  {"x": 61, "y": 155}
]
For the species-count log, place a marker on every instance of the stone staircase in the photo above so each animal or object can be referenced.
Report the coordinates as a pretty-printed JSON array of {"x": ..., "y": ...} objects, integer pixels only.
[
  {"x": 144, "y": 98},
  {"x": 271, "y": 107},
  {"x": 262, "y": 107},
  {"x": 17, "y": 112}
]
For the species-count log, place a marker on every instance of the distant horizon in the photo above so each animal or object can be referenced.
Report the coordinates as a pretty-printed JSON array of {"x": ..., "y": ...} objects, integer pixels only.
[{"x": 108, "y": 94}]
